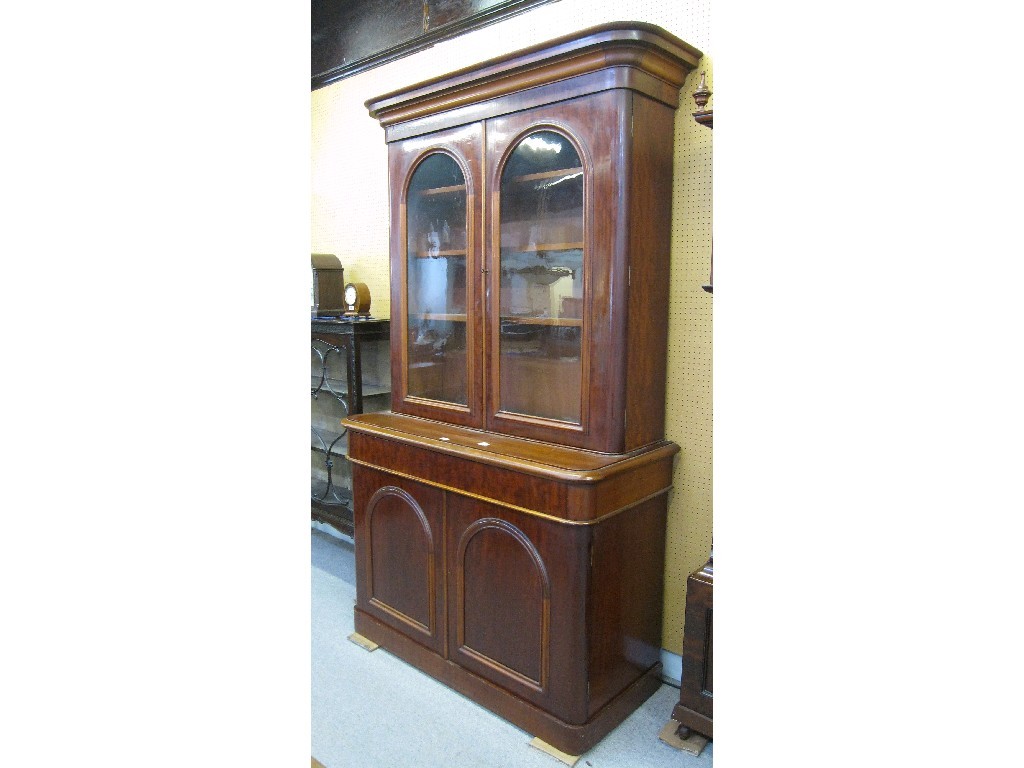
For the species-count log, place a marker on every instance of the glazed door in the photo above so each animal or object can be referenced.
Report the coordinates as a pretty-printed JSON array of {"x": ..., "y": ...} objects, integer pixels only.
[
  {"x": 549, "y": 252},
  {"x": 436, "y": 275}
]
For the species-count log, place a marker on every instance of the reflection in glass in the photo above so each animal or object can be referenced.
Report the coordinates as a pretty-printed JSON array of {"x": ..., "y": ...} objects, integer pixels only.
[
  {"x": 436, "y": 280},
  {"x": 542, "y": 270}
]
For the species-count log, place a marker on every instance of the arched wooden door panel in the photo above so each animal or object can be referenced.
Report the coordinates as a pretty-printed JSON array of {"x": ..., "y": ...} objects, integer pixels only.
[
  {"x": 503, "y": 614},
  {"x": 511, "y": 617},
  {"x": 397, "y": 531}
]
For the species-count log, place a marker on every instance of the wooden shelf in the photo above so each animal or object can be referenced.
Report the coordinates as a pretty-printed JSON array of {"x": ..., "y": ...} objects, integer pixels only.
[
  {"x": 319, "y": 489},
  {"x": 440, "y": 190},
  {"x": 539, "y": 247},
  {"x": 340, "y": 387},
  {"x": 560, "y": 322},
  {"x": 447, "y": 317},
  {"x": 422, "y": 255},
  {"x": 560, "y": 246},
  {"x": 338, "y": 454},
  {"x": 322, "y": 504},
  {"x": 545, "y": 175}
]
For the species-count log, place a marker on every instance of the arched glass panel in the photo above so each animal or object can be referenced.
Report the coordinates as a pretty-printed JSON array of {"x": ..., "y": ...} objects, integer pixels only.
[
  {"x": 542, "y": 279},
  {"x": 436, "y": 280}
]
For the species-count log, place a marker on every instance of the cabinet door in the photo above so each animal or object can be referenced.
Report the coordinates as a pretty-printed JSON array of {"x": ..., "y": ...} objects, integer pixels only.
[
  {"x": 553, "y": 340},
  {"x": 436, "y": 275},
  {"x": 513, "y": 618},
  {"x": 399, "y": 554}
]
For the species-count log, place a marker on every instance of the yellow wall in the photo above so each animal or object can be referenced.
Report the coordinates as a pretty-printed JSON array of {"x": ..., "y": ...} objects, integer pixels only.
[{"x": 350, "y": 219}]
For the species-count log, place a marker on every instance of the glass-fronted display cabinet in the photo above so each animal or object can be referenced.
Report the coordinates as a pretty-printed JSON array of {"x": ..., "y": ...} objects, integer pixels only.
[
  {"x": 510, "y": 509},
  {"x": 530, "y": 298},
  {"x": 349, "y": 373},
  {"x": 541, "y": 281}
]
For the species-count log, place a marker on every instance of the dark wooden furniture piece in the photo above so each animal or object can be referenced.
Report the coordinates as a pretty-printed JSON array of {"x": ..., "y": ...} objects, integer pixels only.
[
  {"x": 694, "y": 710},
  {"x": 510, "y": 511},
  {"x": 327, "y": 289},
  {"x": 350, "y": 372}
]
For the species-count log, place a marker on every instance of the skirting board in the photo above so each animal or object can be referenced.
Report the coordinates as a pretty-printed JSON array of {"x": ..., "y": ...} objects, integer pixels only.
[{"x": 671, "y": 668}]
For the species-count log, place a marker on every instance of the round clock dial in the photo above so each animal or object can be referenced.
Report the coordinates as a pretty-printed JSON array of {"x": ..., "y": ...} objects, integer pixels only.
[{"x": 357, "y": 299}]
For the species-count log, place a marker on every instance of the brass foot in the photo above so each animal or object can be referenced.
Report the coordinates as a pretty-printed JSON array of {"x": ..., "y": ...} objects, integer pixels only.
[
  {"x": 363, "y": 642},
  {"x": 543, "y": 746}
]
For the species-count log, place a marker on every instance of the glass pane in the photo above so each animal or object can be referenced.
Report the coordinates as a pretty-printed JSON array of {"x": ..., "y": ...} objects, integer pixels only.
[
  {"x": 541, "y": 293},
  {"x": 436, "y": 247}
]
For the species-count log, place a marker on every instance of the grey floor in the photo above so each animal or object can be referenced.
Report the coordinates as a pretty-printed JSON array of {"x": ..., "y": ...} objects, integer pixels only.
[{"x": 372, "y": 709}]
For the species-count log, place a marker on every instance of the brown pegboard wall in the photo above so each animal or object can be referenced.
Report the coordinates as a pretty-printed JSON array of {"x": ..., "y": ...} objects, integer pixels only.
[{"x": 689, "y": 390}]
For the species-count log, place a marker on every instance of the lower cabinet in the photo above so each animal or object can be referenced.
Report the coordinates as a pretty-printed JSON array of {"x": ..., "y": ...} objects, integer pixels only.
[
  {"x": 696, "y": 703},
  {"x": 547, "y": 612}
]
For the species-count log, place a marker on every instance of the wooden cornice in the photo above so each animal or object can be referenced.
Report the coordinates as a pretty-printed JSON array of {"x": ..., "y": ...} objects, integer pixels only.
[{"x": 644, "y": 51}]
